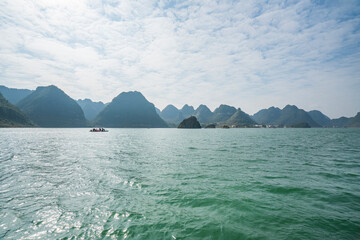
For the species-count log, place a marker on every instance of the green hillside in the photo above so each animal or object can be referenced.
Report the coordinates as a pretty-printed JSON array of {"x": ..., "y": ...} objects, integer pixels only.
[
  {"x": 222, "y": 113},
  {"x": 11, "y": 116},
  {"x": 130, "y": 110},
  {"x": 91, "y": 109},
  {"x": 240, "y": 119},
  {"x": 51, "y": 107},
  {"x": 171, "y": 114},
  {"x": 203, "y": 114}
]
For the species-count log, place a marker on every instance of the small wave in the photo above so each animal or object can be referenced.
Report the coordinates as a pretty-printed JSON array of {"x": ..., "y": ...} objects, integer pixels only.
[
  {"x": 222, "y": 150},
  {"x": 329, "y": 175},
  {"x": 285, "y": 190}
]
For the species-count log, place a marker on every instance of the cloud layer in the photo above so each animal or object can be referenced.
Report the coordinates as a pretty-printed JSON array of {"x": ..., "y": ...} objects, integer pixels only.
[{"x": 250, "y": 54}]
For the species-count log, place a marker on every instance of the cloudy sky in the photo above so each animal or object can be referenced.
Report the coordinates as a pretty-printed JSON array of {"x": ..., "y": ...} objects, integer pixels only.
[{"x": 249, "y": 54}]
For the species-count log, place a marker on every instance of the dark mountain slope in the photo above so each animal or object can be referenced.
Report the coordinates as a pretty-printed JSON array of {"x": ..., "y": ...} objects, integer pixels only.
[
  {"x": 240, "y": 119},
  {"x": 203, "y": 114},
  {"x": 51, "y": 107},
  {"x": 291, "y": 115},
  {"x": 222, "y": 113},
  {"x": 171, "y": 114},
  {"x": 129, "y": 110},
  {"x": 288, "y": 116},
  {"x": 14, "y": 95},
  {"x": 187, "y": 111},
  {"x": 267, "y": 116},
  {"x": 319, "y": 117},
  {"x": 354, "y": 121},
  {"x": 91, "y": 109},
  {"x": 11, "y": 116}
]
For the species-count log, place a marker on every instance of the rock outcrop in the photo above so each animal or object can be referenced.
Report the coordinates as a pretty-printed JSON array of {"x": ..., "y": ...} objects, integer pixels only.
[{"x": 190, "y": 122}]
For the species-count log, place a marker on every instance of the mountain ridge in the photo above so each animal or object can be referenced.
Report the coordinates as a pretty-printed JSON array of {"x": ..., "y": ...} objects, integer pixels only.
[
  {"x": 51, "y": 107},
  {"x": 14, "y": 95},
  {"x": 289, "y": 116},
  {"x": 129, "y": 109},
  {"x": 91, "y": 109}
]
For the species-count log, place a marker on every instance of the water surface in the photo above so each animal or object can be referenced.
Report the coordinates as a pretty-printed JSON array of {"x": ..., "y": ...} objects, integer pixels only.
[{"x": 180, "y": 184}]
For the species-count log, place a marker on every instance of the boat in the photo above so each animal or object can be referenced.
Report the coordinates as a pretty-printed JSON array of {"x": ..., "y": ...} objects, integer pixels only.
[{"x": 98, "y": 130}]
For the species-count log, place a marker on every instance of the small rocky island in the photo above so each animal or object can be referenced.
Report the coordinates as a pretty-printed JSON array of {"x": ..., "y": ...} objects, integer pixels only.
[{"x": 190, "y": 122}]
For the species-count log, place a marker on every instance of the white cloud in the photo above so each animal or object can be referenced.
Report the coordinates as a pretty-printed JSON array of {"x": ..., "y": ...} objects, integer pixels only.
[{"x": 250, "y": 54}]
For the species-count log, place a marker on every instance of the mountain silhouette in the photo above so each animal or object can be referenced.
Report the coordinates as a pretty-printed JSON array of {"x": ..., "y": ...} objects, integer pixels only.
[
  {"x": 290, "y": 115},
  {"x": 51, "y": 107},
  {"x": 14, "y": 95},
  {"x": 171, "y": 114},
  {"x": 129, "y": 109},
  {"x": 203, "y": 114},
  {"x": 240, "y": 119},
  {"x": 267, "y": 116},
  {"x": 346, "y": 122},
  {"x": 222, "y": 113},
  {"x": 319, "y": 117},
  {"x": 91, "y": 109},
  {"x": 187, "y": 111}
]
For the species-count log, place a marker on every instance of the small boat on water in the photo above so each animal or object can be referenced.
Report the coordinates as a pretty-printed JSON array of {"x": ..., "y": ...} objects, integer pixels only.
[{"x": 98, "y": 130}]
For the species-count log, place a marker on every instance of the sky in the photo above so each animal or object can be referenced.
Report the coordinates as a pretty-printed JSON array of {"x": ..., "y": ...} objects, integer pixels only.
[{"x": 248, "y": 54}]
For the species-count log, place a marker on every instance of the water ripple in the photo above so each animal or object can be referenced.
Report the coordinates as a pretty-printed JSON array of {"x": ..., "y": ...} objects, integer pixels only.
[{"x": 170, "y": 184}]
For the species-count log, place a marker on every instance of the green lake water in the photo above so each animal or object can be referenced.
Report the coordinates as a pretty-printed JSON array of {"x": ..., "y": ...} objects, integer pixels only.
[{"x": 180, "y": 184}]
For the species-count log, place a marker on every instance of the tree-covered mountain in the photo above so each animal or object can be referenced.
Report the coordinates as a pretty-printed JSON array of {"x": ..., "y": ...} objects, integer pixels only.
[
  {"x": 354, "y": 121},
  {"x": 187, "y": 111},
  {"x": 14, "y": 95},
  {"x": 267, "y": 116},
  {"x": 291, "y": 115},
  {"x": 51, "y": 107},
  {"x": 240, "y": 119},
  {"x": 339, "y": 122},
  {"x": 129, "y": 109},
  {"x": 203, "y": 114},
  {"x": 11, "y": 116},
  {"x": 171, "y": 114},
  {"x": 91, "y": 109},
  {"x": 346, "y": 122},
  {"x": 319, "y": 118},
  {"x": 288, "y": 116},
  {"x": 222, "y": 113}
]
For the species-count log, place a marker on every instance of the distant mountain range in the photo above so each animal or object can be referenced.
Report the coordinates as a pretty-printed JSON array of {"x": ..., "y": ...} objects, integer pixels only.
[
  {"x": 203, "y": 114},
  {"x": 240, "y": 119},
  {"x": 346, "y": 122},
  {"x": 91, "y": 109},
  {"x": 14, "y": 95},
  {"x": 51, "y": 107},
  {"x": 171, "y": 114},
  {"x": 288, "y": 116}
]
